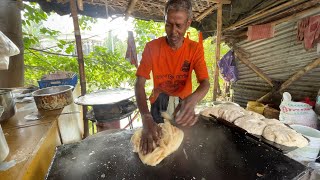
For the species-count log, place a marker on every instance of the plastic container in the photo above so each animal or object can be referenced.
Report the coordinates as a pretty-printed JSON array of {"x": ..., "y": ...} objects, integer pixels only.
[
  {"x": 58, "y": 82},
  {"x": 255, "y": 106},
  {"x": 310, "y": 152}
]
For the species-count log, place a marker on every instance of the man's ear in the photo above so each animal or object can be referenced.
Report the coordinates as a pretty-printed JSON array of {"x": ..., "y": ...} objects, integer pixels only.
[{"x": 189, "y": 22}]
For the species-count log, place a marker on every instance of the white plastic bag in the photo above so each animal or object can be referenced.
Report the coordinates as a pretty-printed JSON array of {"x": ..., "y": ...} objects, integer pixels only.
[
  {"x": 7, "y": 47},
  {"x": 296, "y": 112},
  {"x": 4, "y": 62}
]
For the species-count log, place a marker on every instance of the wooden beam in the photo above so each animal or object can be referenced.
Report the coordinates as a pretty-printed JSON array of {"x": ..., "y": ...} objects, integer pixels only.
[
  {"x": 130, "y": 8},
  {"x": 221, "y": 1},
  {"x": 264, "y": 13},
  {"x": 206, "y": 12},
  {"x": 257, "y": 70},
  {"x": 77, "y": 34},
  {"x": 293, "y": 78},
  {"x": 219, "y": 33}
]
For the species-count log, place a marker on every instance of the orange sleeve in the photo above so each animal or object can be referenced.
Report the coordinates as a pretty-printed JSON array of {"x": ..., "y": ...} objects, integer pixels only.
[
  {"x": 145, "y": 66},
  {"x": 200, "y": 66}
]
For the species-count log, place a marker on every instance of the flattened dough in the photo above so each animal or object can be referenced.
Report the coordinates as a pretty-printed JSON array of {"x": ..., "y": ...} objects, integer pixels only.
[
  {"x": 255, "y": 115},
  {"x": 170, "y": 141},
  {"x": 251, "y": 124},
  {"x": 272, "y": 121},
  {"x": 227, "y": 112},
  {"x": 284, "y": 135}
]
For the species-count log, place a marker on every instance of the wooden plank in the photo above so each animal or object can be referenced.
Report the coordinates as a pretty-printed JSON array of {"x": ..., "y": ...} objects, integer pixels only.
[
  {"x": 130, "y": 8},
  {"x": 219, "y": 33},
  {"x": 77, "y": 34},
  {"x": 257, "y": 70}
]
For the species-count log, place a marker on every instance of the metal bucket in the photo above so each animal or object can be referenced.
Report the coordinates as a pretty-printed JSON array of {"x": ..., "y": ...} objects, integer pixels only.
[{"x": 7, "y": 101}]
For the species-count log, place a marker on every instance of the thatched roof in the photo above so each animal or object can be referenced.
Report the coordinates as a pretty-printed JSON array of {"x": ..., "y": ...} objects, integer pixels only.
[{"x": 203, "y": 11}]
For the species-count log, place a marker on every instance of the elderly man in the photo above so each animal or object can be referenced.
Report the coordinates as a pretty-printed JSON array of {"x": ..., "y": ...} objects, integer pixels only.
[{"x": 171, "y": 59}]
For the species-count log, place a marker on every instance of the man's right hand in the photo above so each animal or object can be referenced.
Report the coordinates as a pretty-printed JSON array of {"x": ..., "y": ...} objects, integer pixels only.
[{"x": 151, "y": 133}]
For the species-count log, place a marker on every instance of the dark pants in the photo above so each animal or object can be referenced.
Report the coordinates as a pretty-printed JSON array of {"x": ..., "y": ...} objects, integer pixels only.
[{"x": 159, "y": 106}]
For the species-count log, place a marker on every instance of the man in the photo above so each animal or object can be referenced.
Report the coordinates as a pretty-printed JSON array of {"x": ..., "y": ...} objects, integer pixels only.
[{"x": 171, "y": 60}]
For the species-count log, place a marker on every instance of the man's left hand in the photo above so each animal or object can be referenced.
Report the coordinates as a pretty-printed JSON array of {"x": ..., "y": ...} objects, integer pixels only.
[{"x": 186, "y": 115}]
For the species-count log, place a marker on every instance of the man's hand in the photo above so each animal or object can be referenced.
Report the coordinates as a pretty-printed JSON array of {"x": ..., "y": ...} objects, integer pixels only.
[
  {"x": 186, "y": 115},
  {"x": 151, "y": 133}
]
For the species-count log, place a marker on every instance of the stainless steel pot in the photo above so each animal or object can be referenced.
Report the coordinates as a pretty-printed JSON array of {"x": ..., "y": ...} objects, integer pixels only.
[
  {"x": 55, "y": 97},
  {"x": 7, "y": 101}
]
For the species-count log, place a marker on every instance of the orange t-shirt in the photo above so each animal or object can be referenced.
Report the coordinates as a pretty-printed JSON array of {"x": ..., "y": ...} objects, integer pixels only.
[{"x": 172, "y": 69}]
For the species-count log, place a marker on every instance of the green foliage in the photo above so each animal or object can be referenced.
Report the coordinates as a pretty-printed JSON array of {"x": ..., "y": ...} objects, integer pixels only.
[
  {"x": 107, "y": 69},
  {"x": 85, "y": 22},
  {"x": 146, "y": 31},
  {"x": 103, "y": 68}
]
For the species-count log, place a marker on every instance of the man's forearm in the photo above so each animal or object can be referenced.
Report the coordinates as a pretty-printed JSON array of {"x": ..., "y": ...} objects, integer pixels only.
[
  {"x": 141, "y": 97},
  {"x": 201, "y": 91}
]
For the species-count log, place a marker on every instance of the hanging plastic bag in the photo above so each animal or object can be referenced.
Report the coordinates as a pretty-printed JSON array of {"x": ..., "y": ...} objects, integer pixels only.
[
  {"x": 7, "y": 47},
  {"x": 227, "y": 67},
  {"x": 296, "y": 112}
]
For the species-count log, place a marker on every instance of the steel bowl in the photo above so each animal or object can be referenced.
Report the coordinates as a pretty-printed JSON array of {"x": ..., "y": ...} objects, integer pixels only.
[{"x": 55, "y": 97}]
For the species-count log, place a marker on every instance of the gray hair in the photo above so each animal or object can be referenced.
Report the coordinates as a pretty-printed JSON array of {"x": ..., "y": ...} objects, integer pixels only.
[{"x": 179, "y": 5}]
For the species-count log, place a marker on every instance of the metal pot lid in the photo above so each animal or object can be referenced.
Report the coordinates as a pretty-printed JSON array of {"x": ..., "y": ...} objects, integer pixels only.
[{"x": 106, "y": 96}]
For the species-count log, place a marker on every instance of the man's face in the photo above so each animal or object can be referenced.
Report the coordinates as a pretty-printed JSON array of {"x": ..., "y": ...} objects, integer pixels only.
[{"x": 177, "y": 23}]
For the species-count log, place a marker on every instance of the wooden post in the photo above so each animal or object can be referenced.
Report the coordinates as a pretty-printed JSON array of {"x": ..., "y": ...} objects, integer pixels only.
[
  {"x": 219, "y": 31},
  {"x": 74, "y": 14},
  {"x": 11, "y": 26}
]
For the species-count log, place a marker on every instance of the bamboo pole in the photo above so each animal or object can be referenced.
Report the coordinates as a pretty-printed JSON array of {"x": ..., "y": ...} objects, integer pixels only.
[
  {"x": 293, "y": 78},
  {"x": 206, "y": 12},
  {"x": 264, "y": 13},
  {"x": 130, "y": 8},
  {"x": 219, "y": 33},
  {"x": 257, "y": 70},
  {"x": 77, "y": 34}
]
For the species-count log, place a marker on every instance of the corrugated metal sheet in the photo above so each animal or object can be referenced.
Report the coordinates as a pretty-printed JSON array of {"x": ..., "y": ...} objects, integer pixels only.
[{"x": 279, "y": 57}]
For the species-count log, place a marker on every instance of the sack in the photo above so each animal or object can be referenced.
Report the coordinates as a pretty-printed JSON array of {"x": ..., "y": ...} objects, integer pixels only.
[
  {"x": 4, "y": 62},
  {"x": 7, "y": 47},
  {"x": 296, "y": 112},
  {"x": 227, "y": 67}
]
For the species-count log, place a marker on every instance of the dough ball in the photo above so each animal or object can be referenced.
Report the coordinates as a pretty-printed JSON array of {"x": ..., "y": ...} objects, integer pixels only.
[
  {"x": 272, "y": 121},
  {"x": 251, "y": 125}
]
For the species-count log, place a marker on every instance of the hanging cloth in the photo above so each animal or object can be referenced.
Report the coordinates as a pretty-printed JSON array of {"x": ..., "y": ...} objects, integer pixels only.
[
  {"x": 263, "y": 31},
  {"x": 309, "y": 31},
  {"x": 131, "y": 54}
]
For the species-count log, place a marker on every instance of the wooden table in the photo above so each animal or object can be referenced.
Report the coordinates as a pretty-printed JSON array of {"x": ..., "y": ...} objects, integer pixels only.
[{"x": 32, "y": 143}]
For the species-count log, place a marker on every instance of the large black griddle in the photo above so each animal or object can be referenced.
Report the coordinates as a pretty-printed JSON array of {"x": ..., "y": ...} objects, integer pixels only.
[{"x": 209, "y": 151}]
